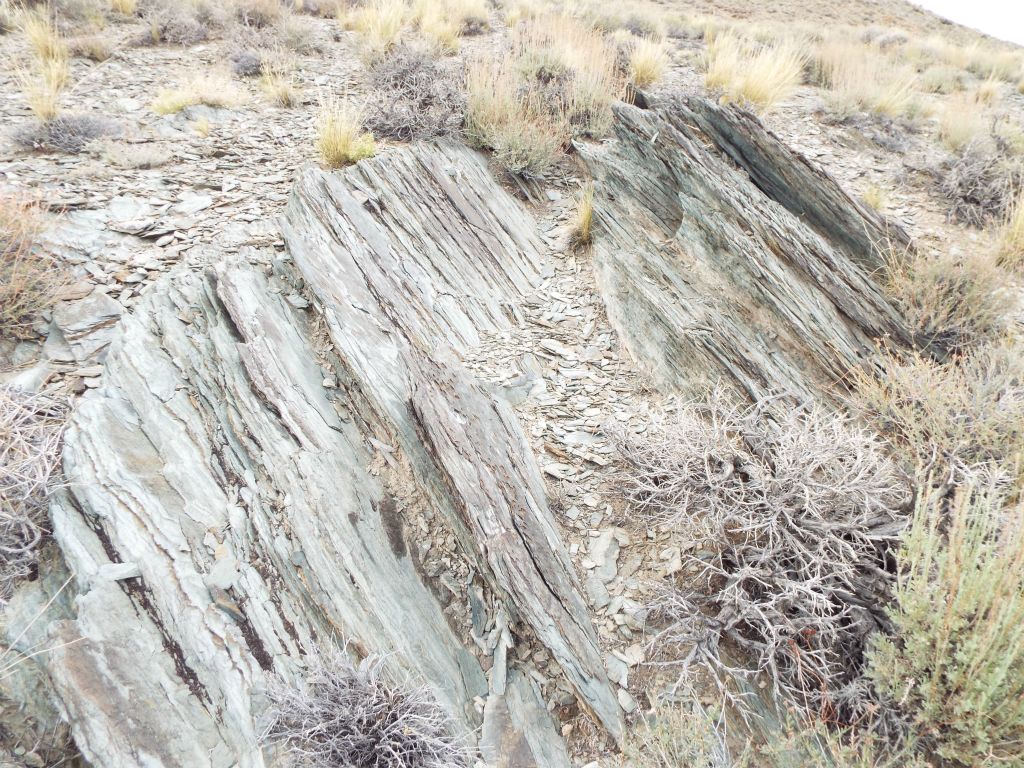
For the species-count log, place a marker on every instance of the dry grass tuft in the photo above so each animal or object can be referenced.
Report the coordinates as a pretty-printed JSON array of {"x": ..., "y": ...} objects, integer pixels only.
[
  {"x": 29, "y": 277},
  {"x": 361, "y": 715},
  {"x": 951, "y": 302},
  {"x": 988, "y": 92},
  {"x": 341, "y": 139},
  {"x": 761, "y": 76},
  {"x": 42, "y": 34},
  {"x": 990, "y": 62},
  {"x": 259, "y": 14},
  {"x": 277, "y": 79},
  {"x": 215, "y": 89},
  {"x": 379, "y": 24},
  {"x": 876, "y": 197},
  {"x": 863, "y": 78},
  {"x": 42, "y": 84},
  {"x": 31, "y": 427},
  {"x": 648, "y": 62},
  {"x": 785, "y": 512},
  {"x": 583, "y": 222},
  {"x": 93, "y": 47},
  {"x": 955, "y": 666}
]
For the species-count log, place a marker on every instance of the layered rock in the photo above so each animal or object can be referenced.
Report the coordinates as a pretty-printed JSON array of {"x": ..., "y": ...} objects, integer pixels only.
[{"x": 757, "y": 274}]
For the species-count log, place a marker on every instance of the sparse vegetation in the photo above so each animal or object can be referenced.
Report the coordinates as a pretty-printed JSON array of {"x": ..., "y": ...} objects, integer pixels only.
[
  {"x": 379, "y": 24},
  {"x": 42, "y": 84},
  {"x": 647, "y": 62},
  {"x": 760, "y": 76},
  {"x": 980, "y": 182},
  {"x": 875, "y": 196},
  {"x": 784, "y": 511},
  {"x": 29, "y": 279},
  {"x": 341, "y": 139},
  {"x": 349, "y": 714},
  {"x": 67, "y": 133},
  {"x": 125, "y": 7},
  {"x": 559, "y": 83},
  {"x": 678, "y": 736},
  {"x": 955, "y": 666},
  {"x": 961, "y": 124},
  {"x": 93, "y": 47}
]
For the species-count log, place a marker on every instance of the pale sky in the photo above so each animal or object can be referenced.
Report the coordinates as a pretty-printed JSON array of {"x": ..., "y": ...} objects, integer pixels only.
[{"x": 1000, "y": 18}]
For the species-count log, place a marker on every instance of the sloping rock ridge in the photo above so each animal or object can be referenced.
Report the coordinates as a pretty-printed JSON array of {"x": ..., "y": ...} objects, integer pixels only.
[{"x": 286, "y": 452}]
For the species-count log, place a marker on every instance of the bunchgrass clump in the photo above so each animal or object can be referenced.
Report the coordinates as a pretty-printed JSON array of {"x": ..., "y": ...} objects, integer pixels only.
[
  {"x": 379, "y": 24},
  {"x": 954, "y": 666},
  {"x": 758, "y": 75},
  {"x": 785, "y": 513},
  {"x": 583, "y": 220},
  {"x": 961, "y": 123},
  {"x": 341, "y": 139},
  {"x": 648, "y": 62},
  {"x": 861, "y": 78},
  {"x": 41, "y": 31},
  {"x": 365, "y": 714}
]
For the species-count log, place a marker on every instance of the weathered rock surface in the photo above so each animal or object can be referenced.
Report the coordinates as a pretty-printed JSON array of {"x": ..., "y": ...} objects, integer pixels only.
[
  {"x": 253, "y": 477},
  {"x": 707, "y": 277}
]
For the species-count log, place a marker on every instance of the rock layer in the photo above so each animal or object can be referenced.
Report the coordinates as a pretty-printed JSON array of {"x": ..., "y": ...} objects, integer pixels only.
[
  {"x": 255, "y": 476},
  {"x": 712, "y": 272}
]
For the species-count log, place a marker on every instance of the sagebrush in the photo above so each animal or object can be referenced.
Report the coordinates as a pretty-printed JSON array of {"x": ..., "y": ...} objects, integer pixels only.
[{"x": 787, "y": 513}]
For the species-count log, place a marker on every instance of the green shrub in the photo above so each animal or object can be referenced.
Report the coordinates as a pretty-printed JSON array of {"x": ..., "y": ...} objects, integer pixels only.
[{"x": 955, "y": 665}]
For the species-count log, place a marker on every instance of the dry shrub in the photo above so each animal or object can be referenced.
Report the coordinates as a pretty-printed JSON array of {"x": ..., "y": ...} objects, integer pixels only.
[
  {"x": 442, "y": 22},
  {"x": 214, "y": 89},
  {"x": 951, "y": 302},
  {"x": 341, "y": 139},
  {"x": 784, "y": 515},
  {"x": 361, "y": 715},
  {"x": 67, "y": 133},
  {"x": 93, "y": 47},
  {"x": 648, "y": 62},
  {"x": 814, "y": 744},
  {"x": 980, "y": 181},
  {"x": 30, "y": 435},
  {"x": 862, "y": 78},
  {"x": 246, "y": 63},
  {"x": 415, "y": 95},
  {"x": 29, "y": 277},
  {"x": 1011, "y": 236},
  {"x": 182, "y": 23},
  {"x": 941, "y": 78},
  {"x": 760, "y": 76},
  {"x": 955, "y": 665},
  {"x": 965, "y": 411}
]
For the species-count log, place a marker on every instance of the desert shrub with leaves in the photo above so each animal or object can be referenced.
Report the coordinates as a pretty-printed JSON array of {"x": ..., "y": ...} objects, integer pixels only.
[
  {"x": 955, "y": 665},
  {"x": 950, "y": 301},
  {"x": 785, "y": 515},
  {"x": 416, "y": 96},
  {"x": 965, "y": 411},
  {"x": 758, "y": 75},
  {"x": 675, "y": 736},
  {"x": 349, "y": 714},
  {"x": 31, "y": 426}
]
